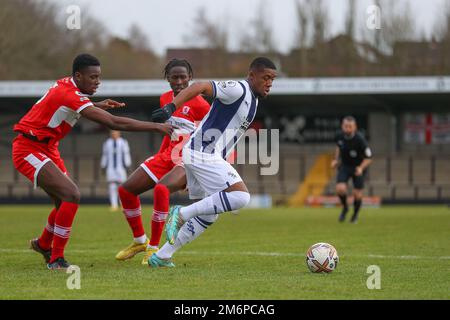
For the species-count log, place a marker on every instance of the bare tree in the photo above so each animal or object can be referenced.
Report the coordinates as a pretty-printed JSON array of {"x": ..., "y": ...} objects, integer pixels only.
[
  {"x": 320, "y": 21},
  {"x": 397, "y": 24},
  {"x": 303, "y": 23},
  {"x": 350, "y": 19},
  {"x": 138, "y": 39},
  {"x": 441, "y": 30},
  {"x": 349, "y": 64},
  {"x": 303, "y": 34},
  {"x": 42, "y": 47},
  {"x": 259, "y": 38},
  {"x": 207, "y": 33}
]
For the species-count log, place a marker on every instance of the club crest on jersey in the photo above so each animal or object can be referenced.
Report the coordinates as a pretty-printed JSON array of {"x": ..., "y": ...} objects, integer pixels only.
[
  {"x": 78, "y": 93},
  {"x": 229, "y": 83},
  {"x": 185, "y": 110}
]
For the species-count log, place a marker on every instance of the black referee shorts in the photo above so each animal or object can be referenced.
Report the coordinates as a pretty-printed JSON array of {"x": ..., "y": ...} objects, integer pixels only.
[{"x": 345, "y": 173}]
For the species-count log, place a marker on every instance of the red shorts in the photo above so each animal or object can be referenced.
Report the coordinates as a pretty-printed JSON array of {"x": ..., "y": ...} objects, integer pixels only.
[
  {"x": 29, "y": 157},
  {"x": 158, "y": 166}
]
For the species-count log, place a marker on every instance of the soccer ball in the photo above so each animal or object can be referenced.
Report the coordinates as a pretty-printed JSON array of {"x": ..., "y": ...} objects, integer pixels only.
[{"x": 322, "y": 257}]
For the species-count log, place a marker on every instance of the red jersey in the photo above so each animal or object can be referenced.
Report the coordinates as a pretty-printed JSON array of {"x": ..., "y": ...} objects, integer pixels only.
[
  {"x": 54, "y": 115},
  {"x": 185, "y": 118}
]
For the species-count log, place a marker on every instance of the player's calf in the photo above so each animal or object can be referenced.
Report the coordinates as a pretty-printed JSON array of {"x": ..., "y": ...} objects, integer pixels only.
[{"x": 216, "y": 203}]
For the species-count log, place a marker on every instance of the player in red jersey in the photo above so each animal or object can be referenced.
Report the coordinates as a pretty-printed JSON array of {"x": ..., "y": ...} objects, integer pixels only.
[
  {"x": 35, "y": 150},
  {"x": 168, "y": 159}
]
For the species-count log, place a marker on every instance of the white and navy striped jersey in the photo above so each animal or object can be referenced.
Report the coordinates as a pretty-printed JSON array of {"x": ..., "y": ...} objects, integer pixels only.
[
  {"x": 116, "y": 157},
  {"x": 232, "y": 111}
]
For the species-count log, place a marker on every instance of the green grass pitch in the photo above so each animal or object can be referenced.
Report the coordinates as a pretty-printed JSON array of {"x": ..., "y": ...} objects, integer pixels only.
[{"x": 257, "y": 254}]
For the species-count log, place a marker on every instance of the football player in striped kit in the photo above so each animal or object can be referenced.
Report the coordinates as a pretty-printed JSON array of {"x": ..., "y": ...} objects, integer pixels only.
[
  {"x": 115, "y": 161},
  {"x": 209, "y": 176}
]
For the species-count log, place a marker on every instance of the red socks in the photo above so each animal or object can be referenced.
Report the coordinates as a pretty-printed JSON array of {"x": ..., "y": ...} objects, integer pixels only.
[
  {"x": 132, "y": 210},
  {"x": 62, "y": 227},
  {"x": 45, "y": 241},
  {"x": 160, "y": 211}
]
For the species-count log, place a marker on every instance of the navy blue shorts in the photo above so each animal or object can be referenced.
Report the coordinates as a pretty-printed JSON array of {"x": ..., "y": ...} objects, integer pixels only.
[{"x": 345, "y": 173}]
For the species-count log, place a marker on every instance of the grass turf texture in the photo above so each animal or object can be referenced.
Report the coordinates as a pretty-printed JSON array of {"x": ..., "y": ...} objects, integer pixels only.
[{"x": 258, "y": 254}]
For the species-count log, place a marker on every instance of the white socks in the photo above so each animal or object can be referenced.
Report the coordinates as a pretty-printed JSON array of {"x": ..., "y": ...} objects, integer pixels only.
[
  {"x": 200, "y": 215},
  {"x": 216, "y": 203},
  {"x": 113, "y": 195},
  {"x": 188, "y": 232},
  {"x": 142, "y": 239}
]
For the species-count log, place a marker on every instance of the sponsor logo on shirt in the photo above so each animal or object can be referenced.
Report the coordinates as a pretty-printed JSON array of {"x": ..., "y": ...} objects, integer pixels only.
[
  {"x": 231, "y": 174},
  {"x": 229, "y": 83},
  {"x": 245, "y": 124}
]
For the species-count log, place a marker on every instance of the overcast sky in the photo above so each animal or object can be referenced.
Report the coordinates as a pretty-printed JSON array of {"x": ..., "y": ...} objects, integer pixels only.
[{"x": 167, "y": 22}]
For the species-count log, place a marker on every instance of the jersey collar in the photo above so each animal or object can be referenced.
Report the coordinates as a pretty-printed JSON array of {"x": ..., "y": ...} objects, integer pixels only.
[
  {"x": 73, "y": 82},
  {"x": 78, "y": 91},
  {"x": 251, "y": 90},
  {"x": 346, "y": 137}
]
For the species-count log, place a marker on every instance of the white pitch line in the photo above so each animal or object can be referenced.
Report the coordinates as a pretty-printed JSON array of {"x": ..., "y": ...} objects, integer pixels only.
[
  {"x": 287, "y": 254},
  {"x": 254, "y": 253}
]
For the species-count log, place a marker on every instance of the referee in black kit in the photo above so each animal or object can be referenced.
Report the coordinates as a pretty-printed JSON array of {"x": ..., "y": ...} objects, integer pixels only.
[{"x": 352, "y": 158}]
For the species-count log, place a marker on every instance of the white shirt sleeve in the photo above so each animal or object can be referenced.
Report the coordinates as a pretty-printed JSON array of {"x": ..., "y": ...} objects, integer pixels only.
[
  {"x": 126, "y": 154},
  {"x": 104, "y": 160},
  {"x": 227, "y": 91}
]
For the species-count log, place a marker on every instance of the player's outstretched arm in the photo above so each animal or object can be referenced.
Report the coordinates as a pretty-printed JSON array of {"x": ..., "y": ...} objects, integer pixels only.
[
  {"x": 124, "y": 124},
  {"x": 201, "y": 87}
]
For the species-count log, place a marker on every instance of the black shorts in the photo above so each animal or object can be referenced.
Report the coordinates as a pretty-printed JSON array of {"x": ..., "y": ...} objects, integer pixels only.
[{"x": 345, "y": 173}]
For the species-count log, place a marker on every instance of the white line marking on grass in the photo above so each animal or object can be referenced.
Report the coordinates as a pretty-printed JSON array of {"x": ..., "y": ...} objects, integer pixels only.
[
  {"x": 287, "y": 254},
  {"x": 250, "y": 253}
]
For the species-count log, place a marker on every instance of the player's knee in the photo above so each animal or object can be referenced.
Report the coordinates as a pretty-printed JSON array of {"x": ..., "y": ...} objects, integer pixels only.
[
  {"x": 161, "y": 189},
  {"x": 72, "y": 195},
  {"x": 357, "y": 194},
  {"x": 239, "y": 199},
  {"x": 340, "y": 189}
]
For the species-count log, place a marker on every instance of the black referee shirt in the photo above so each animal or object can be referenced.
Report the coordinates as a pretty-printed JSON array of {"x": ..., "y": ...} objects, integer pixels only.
[{"x": 354, "y": 150}]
